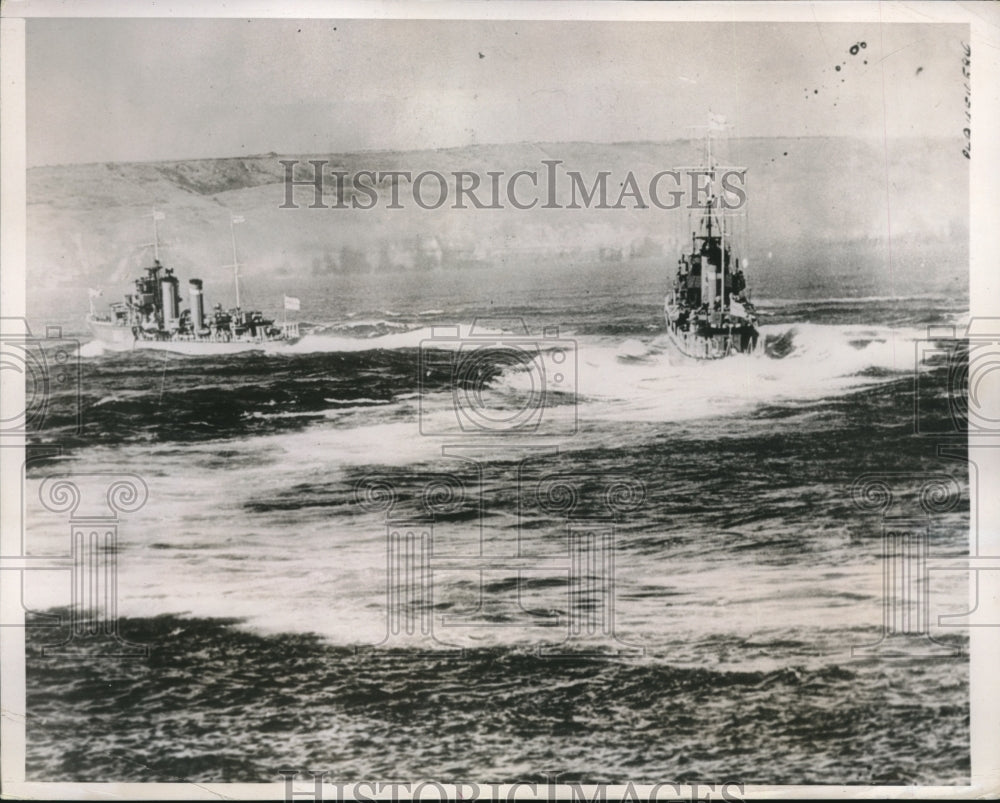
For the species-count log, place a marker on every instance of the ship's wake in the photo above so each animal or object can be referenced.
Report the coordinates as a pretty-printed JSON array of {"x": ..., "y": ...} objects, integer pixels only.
[
  {"x": 342, "y": 338},
  {"x": 437, "y": 381},
  {"x": 651, "y": 381}
]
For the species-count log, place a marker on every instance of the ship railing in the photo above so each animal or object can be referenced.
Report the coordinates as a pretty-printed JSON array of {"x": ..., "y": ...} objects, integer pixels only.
[{"x": 290, "y": 329}]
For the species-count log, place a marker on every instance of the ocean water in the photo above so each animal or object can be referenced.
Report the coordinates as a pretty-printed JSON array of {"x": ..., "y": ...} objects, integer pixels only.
[{"x": 635, "y": 567}]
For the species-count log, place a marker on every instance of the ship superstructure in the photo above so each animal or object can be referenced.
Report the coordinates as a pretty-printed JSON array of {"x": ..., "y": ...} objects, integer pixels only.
[
  {"x": 708, "y": 310},
  {"x": 152, "y": 317}
]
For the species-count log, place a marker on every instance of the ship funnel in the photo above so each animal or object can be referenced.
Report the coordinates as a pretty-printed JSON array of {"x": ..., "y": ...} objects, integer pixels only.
[
  {"x": 197, "y": 304},
  {"x": 171, "y": 301}
]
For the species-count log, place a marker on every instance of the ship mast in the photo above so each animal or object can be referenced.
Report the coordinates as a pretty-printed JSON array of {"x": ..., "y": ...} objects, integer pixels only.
[
  {"x": 723, "y": 267},
  {"x": 722, "y": 223},
  {"x": 156, "y": 233},
  {"x": 233, "y": 220},
  {"x": 156, "y": 238}
]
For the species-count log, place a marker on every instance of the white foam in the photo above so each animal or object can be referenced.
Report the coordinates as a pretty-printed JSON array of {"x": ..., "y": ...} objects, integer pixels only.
[
  {"x": 91, "y": 349},
  {"x": 434, "y": 337},
  {"x": 635, "y": 381}
]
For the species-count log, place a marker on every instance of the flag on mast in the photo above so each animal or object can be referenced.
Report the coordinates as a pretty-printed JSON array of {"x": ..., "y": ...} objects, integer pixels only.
[
  {"x": 92, "y": 293},
  {"x": 292, "y": 304}
]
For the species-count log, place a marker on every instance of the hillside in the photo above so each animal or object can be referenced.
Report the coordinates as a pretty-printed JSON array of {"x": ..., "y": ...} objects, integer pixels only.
[{"x": 813, "y": 201}]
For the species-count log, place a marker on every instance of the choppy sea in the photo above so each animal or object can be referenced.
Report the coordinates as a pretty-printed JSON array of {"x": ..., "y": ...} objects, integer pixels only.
[{"x": 623, "y": 565}]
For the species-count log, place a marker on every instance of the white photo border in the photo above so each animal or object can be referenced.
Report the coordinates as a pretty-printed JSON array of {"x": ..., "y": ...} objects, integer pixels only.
[{"x": 983, "y": 19}]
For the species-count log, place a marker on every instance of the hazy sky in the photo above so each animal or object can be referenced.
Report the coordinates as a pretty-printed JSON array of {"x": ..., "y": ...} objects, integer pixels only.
[{"x": 107, "y": 90}]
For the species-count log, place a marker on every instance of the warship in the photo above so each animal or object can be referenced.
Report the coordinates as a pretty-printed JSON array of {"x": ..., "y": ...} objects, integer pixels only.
[
  {"x": 708, "y": 310},
  {"x": 151, "y": 317}
]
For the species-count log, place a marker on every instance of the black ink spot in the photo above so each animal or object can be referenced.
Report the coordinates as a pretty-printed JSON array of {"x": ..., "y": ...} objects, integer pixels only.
[
  {"x": 919, "y": 70},
  {"x": 866, "y": 61},
  {"x": 864, "y": 45},
  {"x": 482, "y": 56},
  {"x": 785, "y": 153},
  {"x": 854, "y": 50},
  {"x": 837, "y": 68},
  {"x": 815, "y": 91}
]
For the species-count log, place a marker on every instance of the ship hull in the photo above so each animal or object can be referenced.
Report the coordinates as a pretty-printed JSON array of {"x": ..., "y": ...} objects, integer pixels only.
[
  {"x": 121, "y": 338},
  {"x": 715, "y": 345}
]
